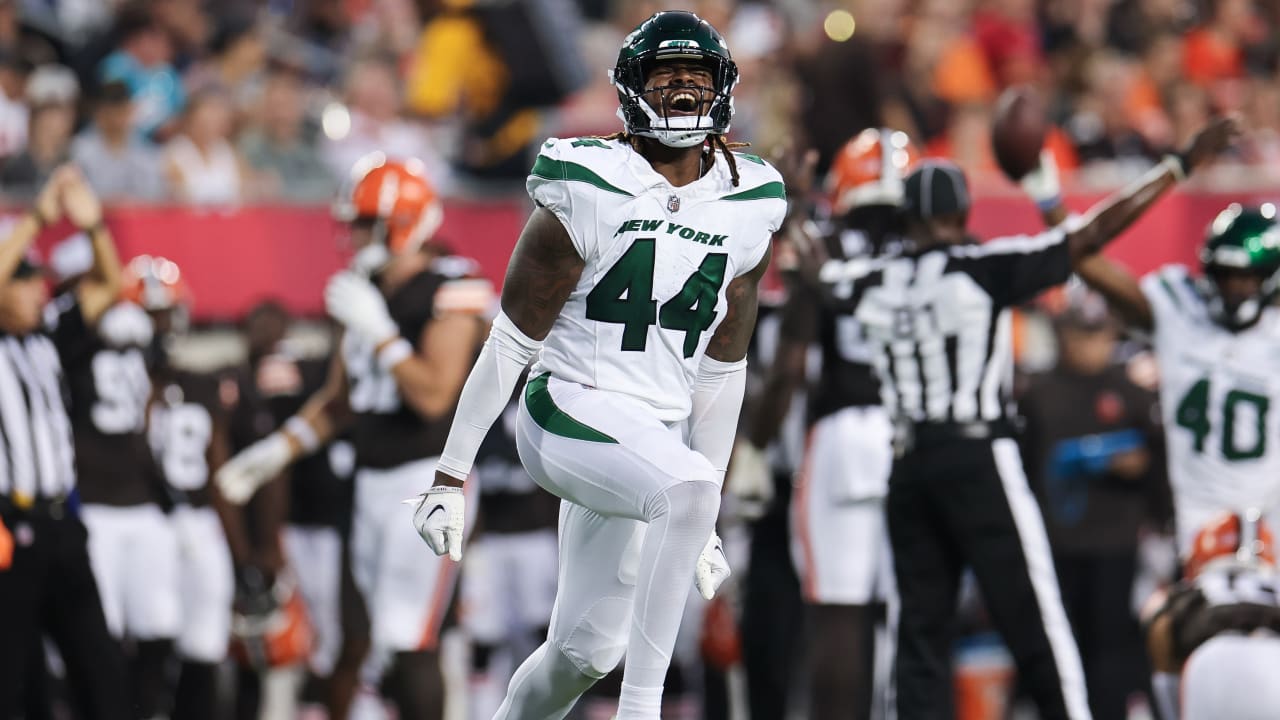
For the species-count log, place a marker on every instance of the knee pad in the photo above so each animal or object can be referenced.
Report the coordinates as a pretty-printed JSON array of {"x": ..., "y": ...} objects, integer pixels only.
[
  {"x": 597, "y": 642},
  {"x": 693, "y": 504}
]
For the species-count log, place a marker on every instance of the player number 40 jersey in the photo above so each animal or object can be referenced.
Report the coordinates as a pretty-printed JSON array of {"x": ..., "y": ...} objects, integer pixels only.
[
  {"x": 658, "y": 260},
  {"x": 1220, "y": 394}
]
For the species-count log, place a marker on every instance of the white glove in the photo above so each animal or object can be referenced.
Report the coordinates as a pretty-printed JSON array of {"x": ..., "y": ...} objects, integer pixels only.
[
  {"x": 359, "y": 306},
  {"x": 439, "y": 519},
  {"x": 1042, "y": 184},
  {"x": 712, "y": 569},
  {"x": 241, "y": 476},
  {"x": 750, "y": 480}
]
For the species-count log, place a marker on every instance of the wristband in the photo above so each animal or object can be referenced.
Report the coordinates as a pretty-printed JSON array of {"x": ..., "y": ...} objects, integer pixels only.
[
  {"x": 393, "y": 353},
  {"x": 302, "y": 431},
  {"x": 1177, "y": 164}
]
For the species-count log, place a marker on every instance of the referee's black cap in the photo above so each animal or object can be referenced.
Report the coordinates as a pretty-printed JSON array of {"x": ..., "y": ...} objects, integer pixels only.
[{"x": 935, "y": 187}]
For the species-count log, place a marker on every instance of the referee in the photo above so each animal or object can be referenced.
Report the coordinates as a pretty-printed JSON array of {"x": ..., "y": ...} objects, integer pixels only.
[
  {"x": 938, "y": 317},
  {"x": 46, "y": 585}
]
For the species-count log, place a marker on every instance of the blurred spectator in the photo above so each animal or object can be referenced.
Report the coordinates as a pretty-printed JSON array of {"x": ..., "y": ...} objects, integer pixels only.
[
  {"x": 21, "y": 39},
  {"x": 188, "y": 26},
  {"x": 1212, "y": 51},
  {"x": 1189, "y": 109},
  {"x": 323, "y": 27},
  {"x": 1160, "y": 72},
  {"x": 389, "y": 27},
  {"x": 967, "y": 140},
  {"x": 492, "y": 65},
  {"x": 281, "y": 150},
  {"x": 1006, "y": 31},
  {"x": 118, "y": 164},
  {"x": 837, "y": 104},
  {"x": 13, "y": 106},
  {"x": 374, "y": 104},
  {"x": 1132, "y": 24},
  {"x": 238, "y": 57},
  {"x": 200, "y": 164},
  {"x": 1262, "y": 145},
  {"x": 52, "y": 93},
  {"x": 1087, "y": 448},
  {"x": 143, "y": 62},
  {"x": 1100, "y": 126}
]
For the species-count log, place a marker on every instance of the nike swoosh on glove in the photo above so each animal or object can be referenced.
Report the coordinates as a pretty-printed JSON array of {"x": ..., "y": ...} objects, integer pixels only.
[
  {"x": 359, "y": 306},
  {"x": 241, "y": 476},
  {"x": 439, "y": 519},
  {"x": 712, "y": 569}
]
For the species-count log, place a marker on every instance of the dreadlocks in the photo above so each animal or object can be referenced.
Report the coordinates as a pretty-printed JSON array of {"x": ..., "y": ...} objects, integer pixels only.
[{"x": 717, "y": 143}]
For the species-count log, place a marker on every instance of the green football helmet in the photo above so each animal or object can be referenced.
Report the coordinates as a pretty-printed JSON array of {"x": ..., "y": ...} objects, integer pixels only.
[
  {"x": 674, "y": 35},
  {"x": 1241, "y": 239}
]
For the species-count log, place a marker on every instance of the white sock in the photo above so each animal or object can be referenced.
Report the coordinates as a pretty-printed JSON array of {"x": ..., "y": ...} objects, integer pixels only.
[
  {"x": 639, "y": 703},
  {"x": 682, "y": 519},
  {"x": 1165, "y": 688}
]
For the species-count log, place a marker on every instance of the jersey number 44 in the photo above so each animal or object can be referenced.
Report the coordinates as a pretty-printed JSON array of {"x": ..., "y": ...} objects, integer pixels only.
[{"x": 624, "y": 295}]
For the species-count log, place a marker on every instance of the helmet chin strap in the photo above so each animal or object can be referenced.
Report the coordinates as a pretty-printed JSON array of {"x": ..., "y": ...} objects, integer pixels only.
[{"x": 371, "y": 258}]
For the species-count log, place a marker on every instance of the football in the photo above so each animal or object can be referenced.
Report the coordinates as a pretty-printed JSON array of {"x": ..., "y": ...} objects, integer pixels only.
[{"x": 1018, "y": 130}]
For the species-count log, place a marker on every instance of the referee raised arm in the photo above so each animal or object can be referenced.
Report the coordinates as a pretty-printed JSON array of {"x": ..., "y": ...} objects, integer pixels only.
[
  {"x": 938, "y": 317},
  {"x": 46, "y": 585}
]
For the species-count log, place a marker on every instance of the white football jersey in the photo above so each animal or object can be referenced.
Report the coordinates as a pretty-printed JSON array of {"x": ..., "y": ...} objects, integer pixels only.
[
  {"x": 1220, "y": 398},
  {"x": 658, "y": 260}
]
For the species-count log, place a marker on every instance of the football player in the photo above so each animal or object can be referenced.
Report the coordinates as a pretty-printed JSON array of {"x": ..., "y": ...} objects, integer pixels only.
[
  {"x": 410, "y": 333},
  {"x": 1215, "y": 340},
  {"x": 1221, "y": 624},
  {"x": 634, "y": 286},
  {"x": 839, "y": 543},
  {"x": 103, "y": 343},
  {"x": 188, "y": 434}
]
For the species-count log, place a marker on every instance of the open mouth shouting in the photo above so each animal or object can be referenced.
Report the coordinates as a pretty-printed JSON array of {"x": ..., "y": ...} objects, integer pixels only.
[{"x": 684, "y": 101}]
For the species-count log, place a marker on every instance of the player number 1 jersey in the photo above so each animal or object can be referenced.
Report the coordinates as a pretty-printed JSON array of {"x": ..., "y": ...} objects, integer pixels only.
[{"x": 657, "y": 258}]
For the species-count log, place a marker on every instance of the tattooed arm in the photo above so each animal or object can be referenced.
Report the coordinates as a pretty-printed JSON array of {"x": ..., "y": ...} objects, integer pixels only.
[
  {"x": 722, "y": 375},
  {"x": 729, "y": 343},
  {"x": 544, "y": 270}
]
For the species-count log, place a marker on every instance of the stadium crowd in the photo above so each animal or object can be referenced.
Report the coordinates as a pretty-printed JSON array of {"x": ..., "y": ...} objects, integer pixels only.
[{"x": 230, "y": 103}]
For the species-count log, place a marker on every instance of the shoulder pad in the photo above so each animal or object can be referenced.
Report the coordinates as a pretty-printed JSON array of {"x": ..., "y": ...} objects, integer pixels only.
[
  {"x": 757, "y": 180},
  {"x": 593, "y": 162}
]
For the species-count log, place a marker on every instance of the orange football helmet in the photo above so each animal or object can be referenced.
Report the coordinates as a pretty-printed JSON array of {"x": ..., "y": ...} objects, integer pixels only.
[
  {"x": 869, "y": 169},
  {"x": 154, "y": 283},
  {"x": 277, "y": 636},
  {"x": 397, "y": 196},
  {"x": 1234, "y": 537}
]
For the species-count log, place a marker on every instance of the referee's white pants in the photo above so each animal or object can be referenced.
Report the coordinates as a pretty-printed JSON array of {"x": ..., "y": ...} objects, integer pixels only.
[
  {"x": 134, "y": 554},
  {"x": 613, "y": 464}
]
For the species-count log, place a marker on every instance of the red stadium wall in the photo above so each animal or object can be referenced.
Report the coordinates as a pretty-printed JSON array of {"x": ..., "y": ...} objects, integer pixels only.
[{"x": 235, "y": 258}]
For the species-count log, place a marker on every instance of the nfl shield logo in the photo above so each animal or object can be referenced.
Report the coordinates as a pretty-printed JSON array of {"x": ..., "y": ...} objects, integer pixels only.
[{"x": 673, "y": 204}]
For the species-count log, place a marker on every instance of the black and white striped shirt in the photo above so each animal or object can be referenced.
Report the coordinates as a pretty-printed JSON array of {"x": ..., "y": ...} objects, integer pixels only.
[
  {"x": 939, "y": 320},
  {"x": 37, "y": 456}
]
